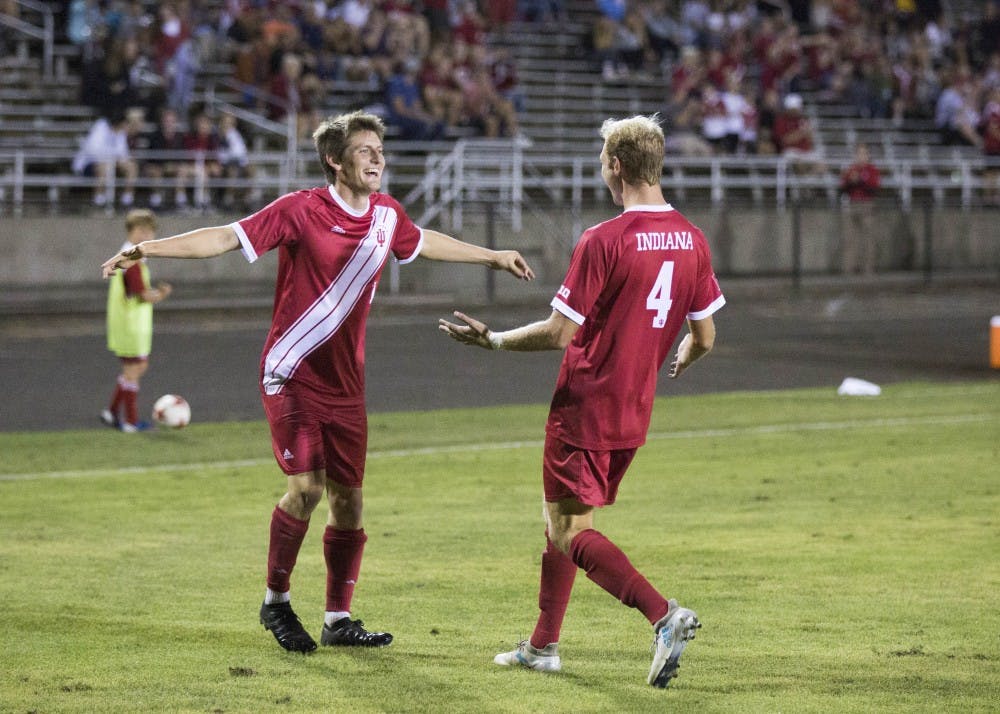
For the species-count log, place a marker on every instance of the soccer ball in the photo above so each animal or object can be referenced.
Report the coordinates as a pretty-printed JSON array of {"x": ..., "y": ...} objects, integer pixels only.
[{"x": 172, "y": 411}]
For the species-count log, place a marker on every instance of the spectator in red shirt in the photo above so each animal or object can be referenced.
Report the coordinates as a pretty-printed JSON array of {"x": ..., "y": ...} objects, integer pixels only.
[
  {"x": 503, "y": 69},
  {"x": 990, "y": 129},
  {"x": 858, "y": 185},
  {"x": 470, "y": 26},
  {"x": 174, "y": 31},
  {"x": 166, "y": 139},
  {"x": 793, "y": 136},
  {"x": 484, "y": 109},
  {"x": 792, "y": 130},
  {"x": 687, "y": 75},
  {"x": 783, "y": 63},
  {"x": 441, "y": 93},
  {"x": 202, "y": 142}
]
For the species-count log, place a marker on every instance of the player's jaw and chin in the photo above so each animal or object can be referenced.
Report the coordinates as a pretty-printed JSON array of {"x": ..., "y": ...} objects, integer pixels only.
[
  {"x": 362, "y": 182},
  {"x": 362, "y": 165}
]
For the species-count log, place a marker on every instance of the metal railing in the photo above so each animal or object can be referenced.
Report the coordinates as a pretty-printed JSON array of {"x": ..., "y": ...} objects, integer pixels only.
[
  {"x": 286, "y": 130},
  {"x": 22, "y": 171},
  {"x": 437, "y": 185},
  {"x": 505, "y": 170},
  {"x": 45, "y": 32}
]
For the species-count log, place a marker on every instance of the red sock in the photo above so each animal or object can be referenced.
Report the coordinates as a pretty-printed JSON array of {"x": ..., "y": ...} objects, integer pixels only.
[
  {"x": 558, "y": 574},
  {"x": 129, "y": 398},
  {"x": 132, "y": 407},
  {"x": 287, "y": 534},
  {"x": 117, "y": 399},
  {"x": 608, "y": 566},
  {"x": 342, "y": 550}
]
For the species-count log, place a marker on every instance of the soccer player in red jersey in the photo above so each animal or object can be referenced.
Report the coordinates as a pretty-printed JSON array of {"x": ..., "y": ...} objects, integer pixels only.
[
  {"x": 332, "y": 244},
  {"x": 632, "y": 283}
]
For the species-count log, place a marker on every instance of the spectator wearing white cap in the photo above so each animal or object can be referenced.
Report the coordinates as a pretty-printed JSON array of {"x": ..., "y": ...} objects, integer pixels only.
[{"x": 794, "y": 138}]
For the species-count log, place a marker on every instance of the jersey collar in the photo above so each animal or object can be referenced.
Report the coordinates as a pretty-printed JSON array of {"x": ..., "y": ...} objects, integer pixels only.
[
  {"x": 660, "y": 208},
  {"x": 343, "y": 204}
]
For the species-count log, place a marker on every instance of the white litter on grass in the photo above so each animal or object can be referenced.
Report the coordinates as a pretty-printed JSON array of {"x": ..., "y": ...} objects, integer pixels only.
[{"x": 854, "y": 387}]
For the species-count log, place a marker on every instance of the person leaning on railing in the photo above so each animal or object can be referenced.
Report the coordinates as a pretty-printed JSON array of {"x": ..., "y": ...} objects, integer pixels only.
[{"x": 859, "y": 184}]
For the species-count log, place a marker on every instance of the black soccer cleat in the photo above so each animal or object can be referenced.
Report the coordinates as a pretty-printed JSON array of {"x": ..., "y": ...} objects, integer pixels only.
[
  {"x": 284, "y": 624},
  {"x": 351, "y": 633}
]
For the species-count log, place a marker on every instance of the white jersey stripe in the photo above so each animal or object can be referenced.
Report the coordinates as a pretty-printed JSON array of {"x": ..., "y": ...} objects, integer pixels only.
[
  {"x": 311, "y": 329},
  {"x": 326, "y": 315}
]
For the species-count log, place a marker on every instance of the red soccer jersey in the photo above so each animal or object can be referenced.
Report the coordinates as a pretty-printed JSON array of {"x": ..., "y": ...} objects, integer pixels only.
[
  {"x": 631, "y": 284},
  {"x": 991, "y": 129},
  {"x": 861, "y": 181},
  {"x": 785, "y": 125},
  {"x": 329, "y": 261}
]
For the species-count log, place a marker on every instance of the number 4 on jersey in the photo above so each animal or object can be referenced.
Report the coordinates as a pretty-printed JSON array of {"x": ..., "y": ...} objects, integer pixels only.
[{"x": 658, "y": 299}]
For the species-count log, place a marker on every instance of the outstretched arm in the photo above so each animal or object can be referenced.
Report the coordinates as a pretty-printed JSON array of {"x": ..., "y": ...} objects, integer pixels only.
[
  {"x": 696, "y": 344},
  {"x": 552, "y": 334},
  {"x": 200, "y": 243},
  {"x": 438, "y": 246}
]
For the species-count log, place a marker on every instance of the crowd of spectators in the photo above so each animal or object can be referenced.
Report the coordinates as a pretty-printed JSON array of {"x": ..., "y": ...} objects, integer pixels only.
[
  {"x": 736, "y": 70},
  {"x": 167, "y": 157},
  {"x": 138, "y": 65},
  {"x": 426, "y": 64}
]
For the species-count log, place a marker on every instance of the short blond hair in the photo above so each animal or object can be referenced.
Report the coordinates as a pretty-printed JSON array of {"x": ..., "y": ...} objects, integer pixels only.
[
  {"x": 639, "y": 145},
  {"x": 140, "y": 218}
]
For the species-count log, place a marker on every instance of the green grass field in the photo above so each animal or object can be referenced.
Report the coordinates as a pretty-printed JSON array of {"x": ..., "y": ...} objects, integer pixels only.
[{"x": 843, "y": 555}]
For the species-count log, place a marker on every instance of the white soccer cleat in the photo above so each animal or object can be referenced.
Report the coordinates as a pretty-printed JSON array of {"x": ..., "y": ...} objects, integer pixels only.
[
  {"x": 543, "y": 660},
  {"x": 672, "y": 635}
]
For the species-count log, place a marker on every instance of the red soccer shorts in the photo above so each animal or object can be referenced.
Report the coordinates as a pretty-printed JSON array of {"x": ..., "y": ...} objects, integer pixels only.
[
  {"x": 591, "y": 477},
  {"x": 310, "y": 433}
]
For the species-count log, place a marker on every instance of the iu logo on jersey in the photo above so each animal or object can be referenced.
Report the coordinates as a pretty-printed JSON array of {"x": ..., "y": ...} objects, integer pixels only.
[{"x": 380, "y": 236}]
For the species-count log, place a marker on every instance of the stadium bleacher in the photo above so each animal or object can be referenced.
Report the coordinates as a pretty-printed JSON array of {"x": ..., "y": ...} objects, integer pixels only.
[{"x": 42, "y": 121}]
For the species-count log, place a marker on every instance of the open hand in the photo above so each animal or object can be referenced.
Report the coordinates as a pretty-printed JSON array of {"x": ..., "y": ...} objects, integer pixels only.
[{"x": 473, "y": 332}]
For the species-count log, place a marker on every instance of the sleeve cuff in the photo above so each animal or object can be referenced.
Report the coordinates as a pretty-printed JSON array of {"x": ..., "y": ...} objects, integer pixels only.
[
  {"x": 245, "y": 246},
  {"x": 566, "y": 311},
  {"x": 702, "y": 314},
  {"x": 416, "y": 251}
]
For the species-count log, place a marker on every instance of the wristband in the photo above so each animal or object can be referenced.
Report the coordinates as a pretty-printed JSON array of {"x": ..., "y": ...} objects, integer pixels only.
[{"x": 495, "y": 340}]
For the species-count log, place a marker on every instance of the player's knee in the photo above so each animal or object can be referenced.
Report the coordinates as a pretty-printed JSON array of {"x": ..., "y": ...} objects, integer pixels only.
[
  {"x": 302, "y": 502},
  {"x": 345, "y": 508},
  {"x": 562, "y": 538}
]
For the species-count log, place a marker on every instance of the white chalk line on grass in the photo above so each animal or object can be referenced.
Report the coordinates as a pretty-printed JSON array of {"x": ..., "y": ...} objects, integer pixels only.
[{"x": 765, "y": 429}]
